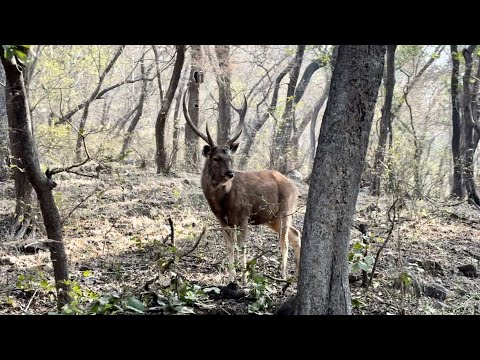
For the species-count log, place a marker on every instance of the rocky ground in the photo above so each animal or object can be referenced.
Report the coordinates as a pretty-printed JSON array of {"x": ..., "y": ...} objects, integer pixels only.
[{"x": 118, "y": 235}]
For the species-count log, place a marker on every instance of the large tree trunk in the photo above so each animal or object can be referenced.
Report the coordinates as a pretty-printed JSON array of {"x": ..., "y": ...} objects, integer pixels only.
[
  {"x": 19, "y": 117},
  {"x": 378, "y": 164},
  {"x": 162, "y": 158},
  {"x": 323, "y": 286},
  {"x": 22, "y": 218},
  {"x": 224, "y": 93},
  {"x": 192, "y": 156},
  {"x": 469, "y": 131}
]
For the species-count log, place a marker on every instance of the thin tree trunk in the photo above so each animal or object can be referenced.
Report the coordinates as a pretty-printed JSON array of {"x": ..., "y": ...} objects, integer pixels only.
[
  {"x": 83, "y": 121},
  {"x": 161, "y": 158},
  {"x": 285, "y": 129},
  {"x": 458, "y": 189},
  {"x": 224, "y": 93},
  {"x": 261, "y": 121},
  {"x": 127, "y": 141},
  {"x": 316, "y": 110},
  {"x": 3, "y": 128},
  {"x": 19, "y": 116},
  {"x": 192, "y": 157},
  {"x": 323, "y": 286},
  {"x": 385, "y": 120}
]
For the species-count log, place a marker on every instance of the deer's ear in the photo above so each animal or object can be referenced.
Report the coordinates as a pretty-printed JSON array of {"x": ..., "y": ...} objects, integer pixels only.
[
  {"x": 206, "y": 150},
  {"x": 234, "y": 147}
]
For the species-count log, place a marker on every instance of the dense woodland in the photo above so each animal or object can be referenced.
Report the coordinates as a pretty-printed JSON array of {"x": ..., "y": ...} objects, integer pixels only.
[{"x": 104, "y": 208}]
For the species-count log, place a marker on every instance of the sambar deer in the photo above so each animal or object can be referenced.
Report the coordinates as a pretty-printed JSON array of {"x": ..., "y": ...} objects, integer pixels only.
[{"x": 240, "y": 198}]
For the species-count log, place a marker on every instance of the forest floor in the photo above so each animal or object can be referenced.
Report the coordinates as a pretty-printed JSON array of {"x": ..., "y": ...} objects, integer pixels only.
[{"x": 121, "y": 258}]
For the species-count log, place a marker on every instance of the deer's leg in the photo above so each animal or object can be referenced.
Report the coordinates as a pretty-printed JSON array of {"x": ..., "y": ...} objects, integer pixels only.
[
  {"x": 230, "y": 241},
  {"x": 281, "y": 226},
  {"x": 242, "y": 242},
  {"x": 294, "y": 238}
]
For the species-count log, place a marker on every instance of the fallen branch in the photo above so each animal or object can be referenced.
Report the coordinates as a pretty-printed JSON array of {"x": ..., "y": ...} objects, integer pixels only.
[{"x": 167, "y": 265}]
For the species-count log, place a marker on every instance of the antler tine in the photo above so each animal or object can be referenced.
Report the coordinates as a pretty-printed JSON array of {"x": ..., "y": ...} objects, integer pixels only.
[
  {"x": 241, "y": 112},
  {"x": 210, "y": 140},
  {"x": 190, "y": 122}
]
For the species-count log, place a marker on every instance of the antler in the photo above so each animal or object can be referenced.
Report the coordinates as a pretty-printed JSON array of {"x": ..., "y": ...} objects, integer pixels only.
[
  {"x": 241, "y": 112},
  {"x": 208, "y": 139}
]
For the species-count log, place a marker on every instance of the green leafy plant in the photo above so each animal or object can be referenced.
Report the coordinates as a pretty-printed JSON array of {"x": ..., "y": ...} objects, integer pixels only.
[{"x": 260, "y": 289}]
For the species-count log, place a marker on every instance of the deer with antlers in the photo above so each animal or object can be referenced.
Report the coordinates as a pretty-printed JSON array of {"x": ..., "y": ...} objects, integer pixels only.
[{"x": 240, "y": 198}]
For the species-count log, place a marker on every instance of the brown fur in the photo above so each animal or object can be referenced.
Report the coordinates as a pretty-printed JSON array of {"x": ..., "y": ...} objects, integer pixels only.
[
  {"x": 250, "y": 197},
  {"x": 246, "y": 197}
]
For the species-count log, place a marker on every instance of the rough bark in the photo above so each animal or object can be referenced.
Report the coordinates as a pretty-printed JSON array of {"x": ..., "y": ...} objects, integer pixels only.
[
  {"x": 22, "y": 217},
  {"x": 161, "y": 156},
  {"x": 192, "y": 156},
  {"x": 469, "y": 132},
  {"x": 224, "y": 93},
  {"x": 3, "y": 129},
  {"x": 323, "y": 286},
  {"x": 385, "y": 120},
  {"x": 19, "y": 116},
  {"x": 458, "y": 189}
]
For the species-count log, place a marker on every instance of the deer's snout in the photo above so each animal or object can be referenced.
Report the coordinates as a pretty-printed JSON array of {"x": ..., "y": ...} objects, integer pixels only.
[{"x": 230, "y": 174}]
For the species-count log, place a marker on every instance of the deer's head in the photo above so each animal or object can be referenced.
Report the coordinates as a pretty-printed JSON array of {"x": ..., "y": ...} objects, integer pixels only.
[{"x": 219, "y": 161}]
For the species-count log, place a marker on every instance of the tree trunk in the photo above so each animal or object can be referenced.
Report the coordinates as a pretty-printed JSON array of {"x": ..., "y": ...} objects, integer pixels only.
[
  {"x": 260, "y": 121},
  {"x": 323, "y": 286},
  {"x": 192, "y": 157},
  {"x": 3, "y": 129},
  {"x": 22, "y": 218},
  {"x": 316, "y": 109},
  {"x": 19, "y": 117},
  {"x": 127, "y": 141},
  {"x": 162, "y": 158},
  {"x": 378, "y": 165},
  {"x": 469, "y": 133},
  {"x": 83, "y": 121},
  {"x": 224, "y": 93},
  {"x": 285, "y": 129}
]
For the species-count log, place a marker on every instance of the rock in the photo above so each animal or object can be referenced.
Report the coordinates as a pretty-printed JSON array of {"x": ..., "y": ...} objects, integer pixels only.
[
  {"x": 295, "y": 175},
  {"x": 353, "y": 277},
  {"x": 84, "y": 268},
  {"x": 8, "y": 261},
  {"x": 231, "y": 291},
  {"x": 286, "y": 308},
  {"x": 468, "y": 270},
  {"x": 431, "y": 266},
  {"x": 435, "y": 291},
  {"x": 438, "y": 305}
]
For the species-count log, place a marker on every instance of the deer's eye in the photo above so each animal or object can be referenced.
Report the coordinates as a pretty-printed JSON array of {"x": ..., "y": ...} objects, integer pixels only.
[{"x": 216, "y": 159}]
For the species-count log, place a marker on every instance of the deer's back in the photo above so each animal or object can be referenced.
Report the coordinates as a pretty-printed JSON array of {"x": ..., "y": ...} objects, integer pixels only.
[{"x": 261, "y": 196}]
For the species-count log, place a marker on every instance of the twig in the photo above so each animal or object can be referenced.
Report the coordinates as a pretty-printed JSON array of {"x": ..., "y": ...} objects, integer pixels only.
[
  {"x": 31, "y": 299},
  {"x": 172, "y": 233},
  {"x": 184, "y": 253},
  {"x": 390, "y": 231},
  {"x": 276, "y": 279},
  {"x": 80, "y": 203}
]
